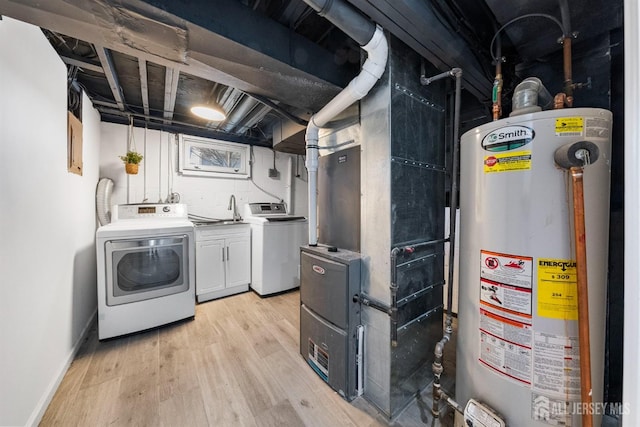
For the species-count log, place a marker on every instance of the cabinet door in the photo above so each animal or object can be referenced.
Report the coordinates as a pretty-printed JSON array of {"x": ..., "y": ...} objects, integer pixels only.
[
  {"x": 210, "y": 274},
  {"x": 238, "y": 261}
]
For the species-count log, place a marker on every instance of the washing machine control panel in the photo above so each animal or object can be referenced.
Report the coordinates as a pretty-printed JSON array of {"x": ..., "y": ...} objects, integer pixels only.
[{"x": 262, "y": 209}]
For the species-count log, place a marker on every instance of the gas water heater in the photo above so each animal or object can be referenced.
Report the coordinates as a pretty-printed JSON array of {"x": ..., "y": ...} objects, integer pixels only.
[{"x": 518, "y": 329}]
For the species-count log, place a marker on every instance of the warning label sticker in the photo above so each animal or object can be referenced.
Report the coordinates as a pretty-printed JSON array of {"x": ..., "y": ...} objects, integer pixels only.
[
  {"x": 506, "y": 335},
  {"x": 506, "y": 329},
  {"x": 514, "y": 270},
  {"x": 506, "y": 298},
  {"x": 507, "y": 162},
  {"x": 505, "y": 285},
  {"x": 556, "y": 366},
  {"x": 506, "y": 358},
  {"x": 557, "y": 289},
  {"x": 569, "y": 126}
]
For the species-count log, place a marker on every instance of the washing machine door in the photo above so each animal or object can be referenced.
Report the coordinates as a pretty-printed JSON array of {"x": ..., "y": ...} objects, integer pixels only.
[{"x": 145, "y": 268}]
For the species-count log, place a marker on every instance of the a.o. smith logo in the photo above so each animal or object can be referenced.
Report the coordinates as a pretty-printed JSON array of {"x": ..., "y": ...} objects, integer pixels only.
[{"x": 508, "y": 138}]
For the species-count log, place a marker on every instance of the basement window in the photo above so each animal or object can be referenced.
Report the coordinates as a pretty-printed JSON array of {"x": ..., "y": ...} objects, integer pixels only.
[{"x": 214, "y": 158}]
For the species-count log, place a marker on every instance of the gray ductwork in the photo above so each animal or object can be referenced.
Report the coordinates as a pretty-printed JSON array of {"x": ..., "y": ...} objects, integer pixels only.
[
  {"x": 373, "y": 41},
  {"x": 345, "y": 17}
]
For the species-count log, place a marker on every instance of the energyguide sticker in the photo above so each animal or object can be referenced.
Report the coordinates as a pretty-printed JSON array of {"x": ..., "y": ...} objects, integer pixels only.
[{"x": 557, "y": 289}]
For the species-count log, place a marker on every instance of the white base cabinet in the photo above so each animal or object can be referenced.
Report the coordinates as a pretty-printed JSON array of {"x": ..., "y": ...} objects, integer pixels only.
[{"x": 223, "y": 260}]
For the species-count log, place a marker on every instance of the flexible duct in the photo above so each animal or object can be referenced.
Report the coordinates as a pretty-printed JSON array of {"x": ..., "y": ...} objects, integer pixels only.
[
  {"x": 357, "y": 27},
  {"x": 103, "y": 200}
]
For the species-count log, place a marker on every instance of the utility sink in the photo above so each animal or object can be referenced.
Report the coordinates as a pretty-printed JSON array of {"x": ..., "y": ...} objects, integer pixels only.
[{"x": 228, "y": 221}]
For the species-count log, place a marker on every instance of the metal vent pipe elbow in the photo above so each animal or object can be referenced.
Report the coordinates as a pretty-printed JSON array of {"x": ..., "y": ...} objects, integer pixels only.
[{"x": 345, "y": 17}]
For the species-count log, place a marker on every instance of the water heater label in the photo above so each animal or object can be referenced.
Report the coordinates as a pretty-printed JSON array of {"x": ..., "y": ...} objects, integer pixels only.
[
  {"x": 597, "y": 127},
  {"x": 569, "y": 126},
  {"x": 506, "y": 358},
  {"x": 507, "y": 138},
  {"x": 557, "y": 289},
  {"x": 507, "y": 162},
  {"x": 506, "y": 334},
  {"x": 506, "y": 269},
  {"x": 556, "y": 362}
]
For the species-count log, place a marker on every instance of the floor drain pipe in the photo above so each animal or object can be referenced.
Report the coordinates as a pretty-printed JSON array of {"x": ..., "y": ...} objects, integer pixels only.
[{"x": 371, "y": 38}]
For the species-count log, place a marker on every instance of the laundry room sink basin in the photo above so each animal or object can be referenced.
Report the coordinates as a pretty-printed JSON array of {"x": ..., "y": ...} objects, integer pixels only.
[{"x": 228, "y": 221}]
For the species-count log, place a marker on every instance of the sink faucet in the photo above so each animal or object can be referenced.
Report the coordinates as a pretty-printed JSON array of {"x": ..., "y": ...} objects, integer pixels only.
[{"x": 232, "y": 206}]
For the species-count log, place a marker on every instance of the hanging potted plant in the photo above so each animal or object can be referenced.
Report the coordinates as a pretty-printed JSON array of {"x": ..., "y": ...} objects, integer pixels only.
[{"x": 131, "y": 161}]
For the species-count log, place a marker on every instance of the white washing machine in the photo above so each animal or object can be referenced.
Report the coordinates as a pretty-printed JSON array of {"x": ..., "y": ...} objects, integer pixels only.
[
  {"x": 276, "y": 238},
  {"x": 146, "y": 268}
]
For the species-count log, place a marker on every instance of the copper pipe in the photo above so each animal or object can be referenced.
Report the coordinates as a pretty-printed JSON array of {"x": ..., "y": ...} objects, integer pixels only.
[
  {"x": 497, "y": 92},
  {"x": 559, "y": 100},
  {"x": 568, "y": 77},
  {"x": 583, "y": 296},
  {"x": 497, "y": 102}
]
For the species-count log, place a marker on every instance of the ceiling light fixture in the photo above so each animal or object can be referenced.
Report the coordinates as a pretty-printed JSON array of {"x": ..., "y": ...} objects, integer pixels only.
[{"x": 208, "y": 113}]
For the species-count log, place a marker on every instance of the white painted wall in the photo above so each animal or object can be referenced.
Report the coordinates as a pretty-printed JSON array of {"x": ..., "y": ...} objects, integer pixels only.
[
  {"x": 47, "y": 225},
  {"x": 631, "y": 380},
  {"x": 205, "y": 196}
]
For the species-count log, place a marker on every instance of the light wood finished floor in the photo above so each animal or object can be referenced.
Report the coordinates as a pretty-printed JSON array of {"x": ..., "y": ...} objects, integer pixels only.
[{"x": 235, "y": 364}]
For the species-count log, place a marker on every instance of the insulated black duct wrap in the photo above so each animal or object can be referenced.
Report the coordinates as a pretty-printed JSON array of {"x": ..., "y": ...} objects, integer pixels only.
[{"x": 345, "y": 17}]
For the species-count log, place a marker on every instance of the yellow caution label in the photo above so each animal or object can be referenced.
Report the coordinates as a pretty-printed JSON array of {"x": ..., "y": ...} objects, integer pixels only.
[
  {"x": 557, "y": 289},
  {"x": 569, "y": 126},
  {"x": 507, "y": 162}
]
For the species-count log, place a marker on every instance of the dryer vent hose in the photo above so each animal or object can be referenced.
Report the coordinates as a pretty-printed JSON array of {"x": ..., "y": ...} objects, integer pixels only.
[{"x": 103, "y": 200}]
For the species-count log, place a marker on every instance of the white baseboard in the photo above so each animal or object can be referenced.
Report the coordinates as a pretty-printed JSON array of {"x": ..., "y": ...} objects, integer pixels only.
[{"x": 45, "y": 400}]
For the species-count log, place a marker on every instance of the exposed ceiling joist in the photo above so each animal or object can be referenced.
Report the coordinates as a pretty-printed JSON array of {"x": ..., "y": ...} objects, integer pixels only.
[
  {"x": 107, "y": 104},
  {"x": 172, "y": 76},
  {"x": 82, "y": 63},
  {"x": 222, "y": 41},
  {"x": 144, "y": 85},
  {"x": 112, "y": 77},
  {"x": 116, "y": 116}
]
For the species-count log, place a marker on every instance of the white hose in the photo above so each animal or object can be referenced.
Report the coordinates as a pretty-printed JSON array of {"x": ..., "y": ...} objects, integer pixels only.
[{"x": 103, "y": 200}]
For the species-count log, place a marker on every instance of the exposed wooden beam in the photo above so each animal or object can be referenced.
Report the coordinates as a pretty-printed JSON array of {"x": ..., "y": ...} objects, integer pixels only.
[
  {"x": 171, "y": 78},
  {"x": 110, "y": 73},
  {"x": 144, "y": 87}
]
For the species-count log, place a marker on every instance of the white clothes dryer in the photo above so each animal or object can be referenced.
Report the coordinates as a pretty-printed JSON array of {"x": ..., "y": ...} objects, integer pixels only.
[{"x": 146, "y": 268}]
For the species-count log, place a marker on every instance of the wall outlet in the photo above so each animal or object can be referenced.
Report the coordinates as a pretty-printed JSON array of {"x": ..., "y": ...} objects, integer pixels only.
[{"x": 274, "y": 173}]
